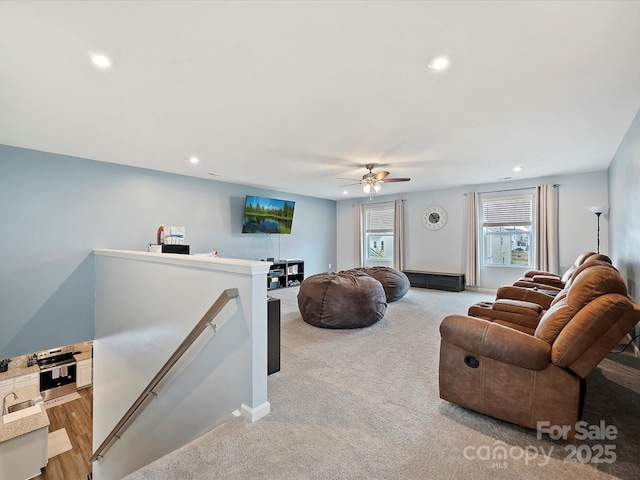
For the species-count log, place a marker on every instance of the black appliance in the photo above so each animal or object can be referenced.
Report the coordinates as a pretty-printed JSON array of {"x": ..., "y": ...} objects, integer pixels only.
[
  {"x": 57, "y": 372},
  {"x": 169, "y": 248}
]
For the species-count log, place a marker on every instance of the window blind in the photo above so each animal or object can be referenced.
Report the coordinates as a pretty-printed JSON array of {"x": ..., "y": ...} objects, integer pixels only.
[
  {"x": 379, "y": 219},
  {"x": 507, "y": 211}
]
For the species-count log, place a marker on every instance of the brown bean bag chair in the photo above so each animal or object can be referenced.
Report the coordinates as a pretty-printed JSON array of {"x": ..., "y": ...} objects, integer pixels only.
[
  {"x": 341, "y": 300},
  {"x": 395, "y": 283}
]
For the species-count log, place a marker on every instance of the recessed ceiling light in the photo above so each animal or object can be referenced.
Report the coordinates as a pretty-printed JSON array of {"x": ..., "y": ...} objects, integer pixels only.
[
  {"x": 194, "y": 160},
  {"x": 345, "y": 192},
  {"x": 439, "y": 63},
  {"x": 517, "y": 169},
  {"x": 101, "y": 61}
]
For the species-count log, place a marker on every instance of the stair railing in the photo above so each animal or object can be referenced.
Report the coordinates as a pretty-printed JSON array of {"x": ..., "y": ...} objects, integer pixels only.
[{"x": 205, "y": 321}]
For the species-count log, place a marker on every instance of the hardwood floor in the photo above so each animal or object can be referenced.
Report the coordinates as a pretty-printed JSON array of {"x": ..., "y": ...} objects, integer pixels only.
[{"x": 76, "y": 417}]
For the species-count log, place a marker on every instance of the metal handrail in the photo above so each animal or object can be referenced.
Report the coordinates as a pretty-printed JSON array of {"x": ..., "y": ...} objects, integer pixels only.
[{"x": 205, "y": 321}]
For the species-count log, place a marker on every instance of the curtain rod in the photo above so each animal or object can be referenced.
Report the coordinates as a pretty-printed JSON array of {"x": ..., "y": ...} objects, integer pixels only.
[
  {"x": 379, "y": 203},
  {"x": 555, "y": 185}
]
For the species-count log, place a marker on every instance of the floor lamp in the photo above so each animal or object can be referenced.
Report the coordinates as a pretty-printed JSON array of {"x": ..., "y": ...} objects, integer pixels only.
[{"x": 598, "y": 210}]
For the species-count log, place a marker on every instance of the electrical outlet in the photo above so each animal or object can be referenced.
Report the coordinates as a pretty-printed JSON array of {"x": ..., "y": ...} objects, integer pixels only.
[{"x": 329, "y": 266}]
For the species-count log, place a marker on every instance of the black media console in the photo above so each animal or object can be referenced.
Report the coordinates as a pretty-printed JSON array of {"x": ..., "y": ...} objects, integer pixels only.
[{"x": 452, "y": 282}]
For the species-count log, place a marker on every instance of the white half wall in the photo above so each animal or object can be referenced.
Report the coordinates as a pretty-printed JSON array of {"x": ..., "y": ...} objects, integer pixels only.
[{"x": 146, "y": 304}]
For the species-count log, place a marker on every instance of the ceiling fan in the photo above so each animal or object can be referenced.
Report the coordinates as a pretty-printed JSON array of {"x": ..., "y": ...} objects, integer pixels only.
[{"x": 372, "y": 182}]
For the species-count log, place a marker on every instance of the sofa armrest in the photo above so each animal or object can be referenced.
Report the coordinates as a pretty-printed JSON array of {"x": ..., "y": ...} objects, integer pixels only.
[
  {"x": 491, "y": 340},
  {"x": 519, "y": 307},
  {"x": 532, "y": 273},
  {"x": 525, "y": 294},
  {"x": 549, "y": 280}
]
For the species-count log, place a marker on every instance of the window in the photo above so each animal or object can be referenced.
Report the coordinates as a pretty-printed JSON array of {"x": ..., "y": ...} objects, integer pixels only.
[
  {"x": 378, "y": 232},
  {"x": 507, "y": 231}
]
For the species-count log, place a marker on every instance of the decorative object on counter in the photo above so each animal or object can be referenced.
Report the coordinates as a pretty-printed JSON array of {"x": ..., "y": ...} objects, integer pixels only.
[
  {"x": 170, "y": 240},
  {"x": 213, "y": 254},
  {"x": 4, "y": 364},
  {"x": 32, "y": 360},
  {"x": 170, "y": 235}
]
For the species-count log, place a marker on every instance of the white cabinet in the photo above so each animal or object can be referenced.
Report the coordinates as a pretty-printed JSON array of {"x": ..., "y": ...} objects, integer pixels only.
[
  {"x": 84, "y": 373},
  {"x": 28, "y": 379},
  {"x": 6, "y": 386},
  {"x": 24, "y": 455}
]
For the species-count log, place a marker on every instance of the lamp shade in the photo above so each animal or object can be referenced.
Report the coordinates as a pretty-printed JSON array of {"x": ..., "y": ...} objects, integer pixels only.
[{"x": 599, "y": 209}]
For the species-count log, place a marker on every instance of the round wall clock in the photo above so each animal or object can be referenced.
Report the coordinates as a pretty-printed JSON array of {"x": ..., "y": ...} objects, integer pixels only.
[{"x": 434, "y": 218}]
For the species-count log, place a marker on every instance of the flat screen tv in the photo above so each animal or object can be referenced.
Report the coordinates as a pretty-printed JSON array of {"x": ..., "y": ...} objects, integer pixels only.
[{"x": 267, "y": 215}]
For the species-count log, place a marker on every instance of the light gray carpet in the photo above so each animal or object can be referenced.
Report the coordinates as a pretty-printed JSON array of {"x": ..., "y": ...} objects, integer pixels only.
[{"x": 364, "y": 404}]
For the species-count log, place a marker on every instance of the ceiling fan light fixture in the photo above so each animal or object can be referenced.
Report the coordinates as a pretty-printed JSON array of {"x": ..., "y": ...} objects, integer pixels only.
[
  {"x": 371, "y": 186},
  {"x": 372, "y": 183},
  {"x": 101, "y": 60},
  {"x": 439, "y": 63}
]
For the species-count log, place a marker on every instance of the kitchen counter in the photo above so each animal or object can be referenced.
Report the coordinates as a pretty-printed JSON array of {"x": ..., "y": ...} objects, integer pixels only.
[
  {"x": 83, "y": 356},
  {"x": 24, "y": 441},
  {"x": 24, "y": 425},
  {"x": 17, "y": 367}
]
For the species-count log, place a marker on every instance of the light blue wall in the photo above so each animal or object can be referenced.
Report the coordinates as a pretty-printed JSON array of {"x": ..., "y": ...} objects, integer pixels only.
[
  {"x": 444, "y": 250},
  {"x": 54, "y": 210},
  {"x": 624, "y": 211}
]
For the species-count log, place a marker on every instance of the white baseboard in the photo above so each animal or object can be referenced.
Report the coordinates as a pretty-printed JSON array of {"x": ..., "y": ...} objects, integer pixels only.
[{"x": 255, "y": 414}]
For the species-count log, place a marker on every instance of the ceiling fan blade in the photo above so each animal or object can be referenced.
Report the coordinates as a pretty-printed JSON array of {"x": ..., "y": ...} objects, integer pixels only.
[
  {"x": 390, "y": 180},
  {"x": 349, "y": 184},
  {"x": 352, "y": 179},
  {"x": 380, "y": 175}
]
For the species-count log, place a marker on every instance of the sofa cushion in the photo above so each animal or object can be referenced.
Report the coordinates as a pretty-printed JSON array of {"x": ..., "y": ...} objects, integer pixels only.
[{"x": 586, "y": 286}]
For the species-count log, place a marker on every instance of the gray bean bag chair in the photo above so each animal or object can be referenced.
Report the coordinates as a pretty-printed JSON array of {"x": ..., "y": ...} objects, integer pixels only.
[
  {"x": 395, "y": 283},
  {"x": 341, "y": 300}
]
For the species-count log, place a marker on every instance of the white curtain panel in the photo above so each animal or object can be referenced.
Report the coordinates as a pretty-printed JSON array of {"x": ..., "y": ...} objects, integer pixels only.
[
  {"x": 547, "y": 228},
  {"x": 357, "y": 235},
  {"x": 398, "y": 235},
  {"x": 471, "y": 273}
]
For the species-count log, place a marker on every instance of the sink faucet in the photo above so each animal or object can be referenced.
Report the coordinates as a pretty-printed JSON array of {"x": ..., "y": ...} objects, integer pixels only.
[{"x": 4, "y": 401}]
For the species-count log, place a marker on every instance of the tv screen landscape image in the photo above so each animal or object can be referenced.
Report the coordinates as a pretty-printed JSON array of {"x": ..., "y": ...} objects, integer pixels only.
[{"x": 267, "y": 215}]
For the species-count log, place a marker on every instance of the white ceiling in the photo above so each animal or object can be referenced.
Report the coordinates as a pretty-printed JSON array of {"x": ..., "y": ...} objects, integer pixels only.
[{"x": 292, "y": 95}]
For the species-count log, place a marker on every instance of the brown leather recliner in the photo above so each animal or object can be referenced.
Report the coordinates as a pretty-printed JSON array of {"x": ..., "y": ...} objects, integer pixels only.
[
  {"x": 523, "y": 308},
  {"x": 525, "y": 379},
  {"x": 552, "y": 281}
]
